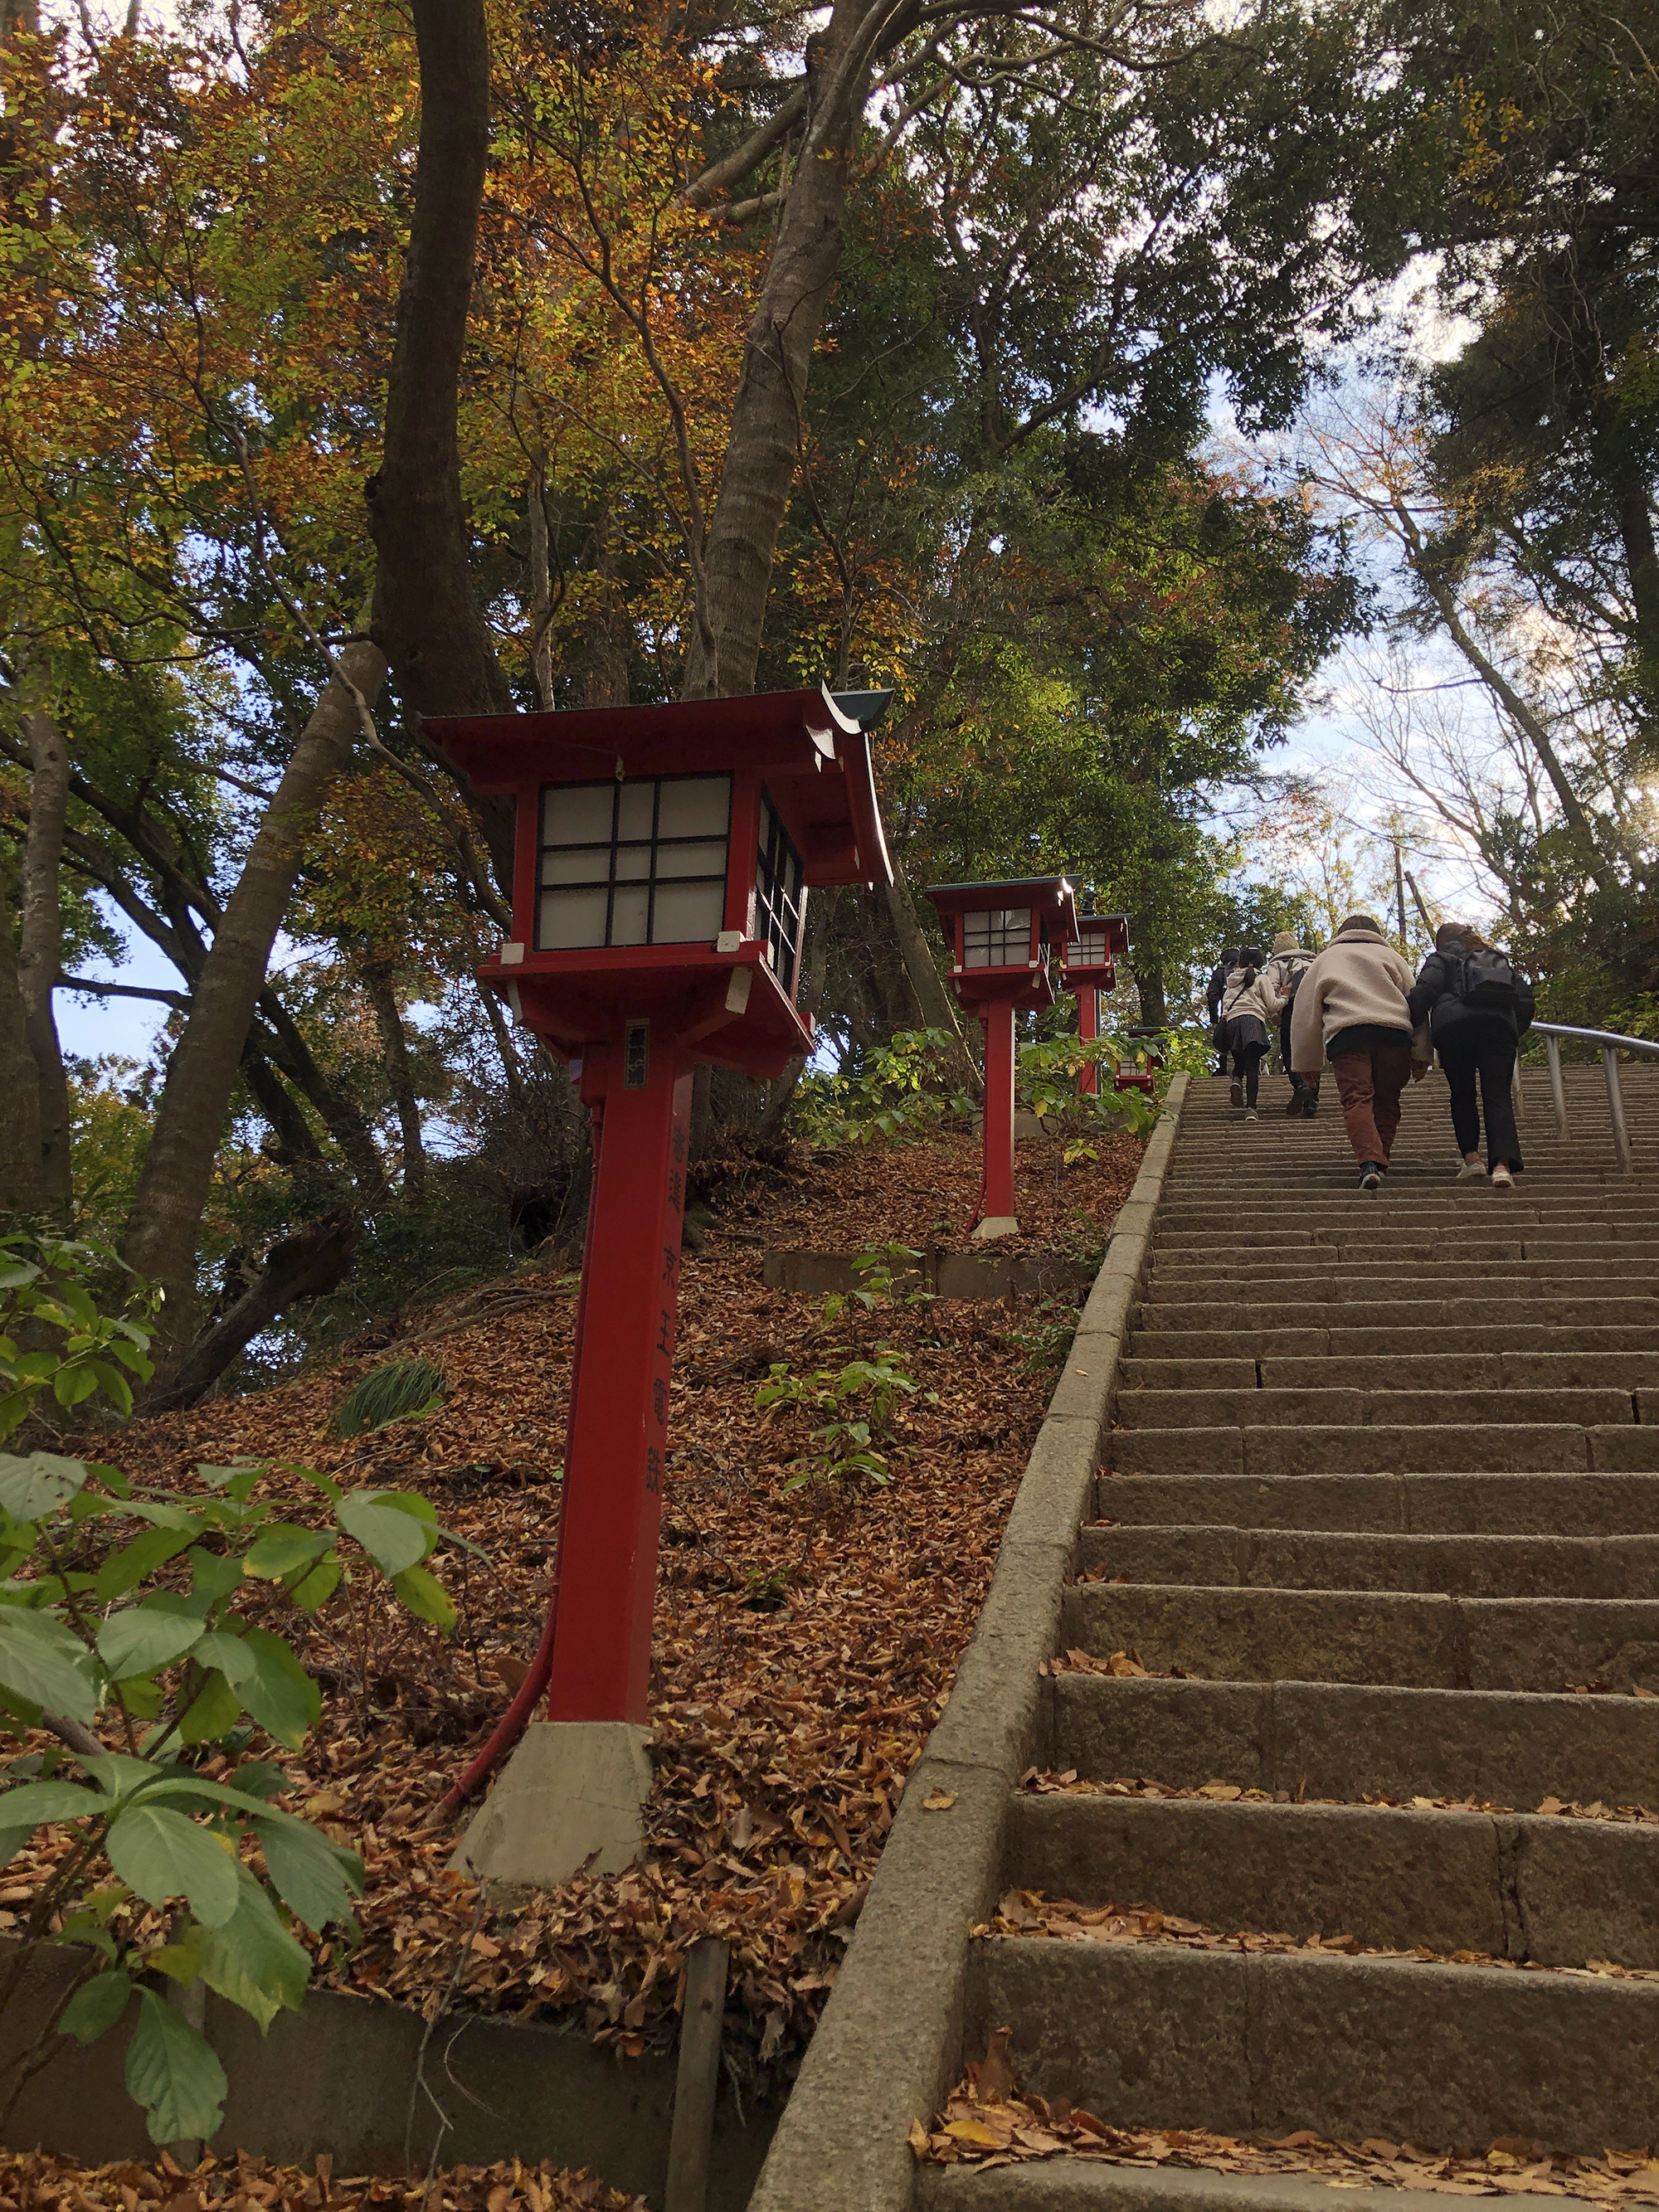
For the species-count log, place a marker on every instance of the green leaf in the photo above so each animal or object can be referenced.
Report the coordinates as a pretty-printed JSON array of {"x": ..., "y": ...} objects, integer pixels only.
[
  {"x": 314, "y": 1878},
  {"x": 48, "y": 1801},
  {"x": 253, "y": 1959},
  {"x": 135, "y": 1562},
  {"x": 221, "y": 1478},
  {"x": 230, "y": 1654},
  {"x": 114, "y": 1383},
  {"x": 426, "y": 1597},
  {"x": 281, "y": 1697},
  {"x": 212, "y": 1712},
  {"x": 70, "y": 1385},
  {"x": 137, "y": 1641},
  {"x": 320, "y": 1585},
  {"x": 40, "y": 1660},
  {"x": 33, "y": 1487},
  {"x": 163, "y": 1855},
  {"x": 173, "y": 2073},
  {"x": 212, "y": 1576},
  {"x": 393, "y": 1538},
  {"x": 285, "y": 1547},
  {"x": 95, "y": 2007}
]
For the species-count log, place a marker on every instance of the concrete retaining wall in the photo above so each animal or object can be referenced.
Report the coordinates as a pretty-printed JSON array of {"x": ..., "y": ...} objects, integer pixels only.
[
  {"x": 891, "y": 2041},
  {"x": 340, "y": 2076},
  {"x": 946, "y": 1275}
]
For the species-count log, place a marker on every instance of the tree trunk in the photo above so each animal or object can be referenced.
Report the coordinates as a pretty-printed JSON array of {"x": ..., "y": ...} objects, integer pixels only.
[
  {"x": 400, "y": 1070},
  {"x": 172, "y": 1186},
  {"x": 426, "y": 618},
  {"x": 40, "y": 953},
  {"x": 1154, "y": 1008},
  {"x": 22, "y": 1179},
  {"x": 933, "y": 994},
  {"x": 763, "y": 449},
  {"x": 541, "y": 591},
  {"x": 306, "y": 1265}
]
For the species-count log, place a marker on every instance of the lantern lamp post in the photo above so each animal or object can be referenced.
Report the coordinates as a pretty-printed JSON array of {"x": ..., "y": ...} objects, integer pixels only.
[
  {"x": 662, "y": 862},
  {"x": 1000, "y": 935},
  {"x": 1090, "y": 967}
]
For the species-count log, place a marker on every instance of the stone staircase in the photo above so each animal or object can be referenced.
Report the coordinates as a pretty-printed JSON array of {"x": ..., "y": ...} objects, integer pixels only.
[{"x": 1381, "y": 1524}]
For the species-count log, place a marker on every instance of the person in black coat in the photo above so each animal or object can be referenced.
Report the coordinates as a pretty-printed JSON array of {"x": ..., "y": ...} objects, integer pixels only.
[{"x": 1477, "y": 1045}]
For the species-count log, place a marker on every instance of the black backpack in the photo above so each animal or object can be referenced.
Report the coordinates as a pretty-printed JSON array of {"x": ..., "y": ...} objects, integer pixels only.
[{"x": 1484, "y": 980}]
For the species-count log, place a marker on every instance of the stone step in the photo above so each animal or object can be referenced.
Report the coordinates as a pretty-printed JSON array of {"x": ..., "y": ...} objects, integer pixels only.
[
  {"x": 1232, "y": 1341},
  {"x": 1262, "y": 2045},
  {"x": 1422, "y": 1448},
  {"x": 1376, "y": 1263},
  {"x": 1523, "y": 1309},
  {"x": 1410, "y": 1640},
  {"x": 1456, "y": 1362},
  {"x": 1350, "y": 1740},
  {"x": 1549, "y": 1889},
  {"x": 1476, "y": 1565},
  {"x": 1325, "y": 1406},
  {"x": 1572, "y": 1505},
  {"x": 1097, "y": 2186}
]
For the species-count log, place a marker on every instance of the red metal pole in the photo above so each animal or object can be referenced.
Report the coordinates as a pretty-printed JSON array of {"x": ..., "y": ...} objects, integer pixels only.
[
  {"x": 613, "y": 1475},
  {"x": 998, "y": 1200},
  {"x": 1088, "y": 1028}
]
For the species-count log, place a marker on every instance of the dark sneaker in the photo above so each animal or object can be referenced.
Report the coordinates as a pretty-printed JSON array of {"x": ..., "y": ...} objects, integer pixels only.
[
  {"x": 1370, "y": 1176},
  {"x": 1235, "y": 1092},
  {"x": 1293, "y": 1103},
  {"x": 1309, "y": 1105}
]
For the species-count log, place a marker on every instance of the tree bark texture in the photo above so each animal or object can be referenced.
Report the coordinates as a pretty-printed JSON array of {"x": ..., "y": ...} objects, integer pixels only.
[
  {"x": 933, "y": 994},
  {"x": 763, "y": 449},
  {"x": 306, "y": 1265},
  {"x": 172, "y": 1185},
  {"x": 426, "y": 616},
  {"x": 400, "y": 1073},
  {"x": 40, "y": 952},
  {"x": 22, "y": 1181}
]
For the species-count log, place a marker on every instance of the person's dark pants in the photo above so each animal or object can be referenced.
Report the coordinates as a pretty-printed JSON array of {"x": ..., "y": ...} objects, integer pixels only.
[
  {"x": 1247, "y": 1062},
  {"x": 1300, "y": 1087},
  {"x": 1369, "y": 1084},
  {"x": 1491, "y": 1060}
]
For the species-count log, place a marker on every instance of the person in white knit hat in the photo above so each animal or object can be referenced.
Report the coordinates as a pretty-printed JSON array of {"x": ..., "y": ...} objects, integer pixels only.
[
  {"x": 1352, "y": 1009},
  {"x": 1243, "y": 1029}
]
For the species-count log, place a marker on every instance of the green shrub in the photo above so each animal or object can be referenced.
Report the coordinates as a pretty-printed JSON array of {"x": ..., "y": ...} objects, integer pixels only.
[{"x": 389, "y": 1393}]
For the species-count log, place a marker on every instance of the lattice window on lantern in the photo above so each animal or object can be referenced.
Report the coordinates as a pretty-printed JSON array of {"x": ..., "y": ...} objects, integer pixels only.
[
  {"x": 642, "y": 862},
  {"x": 999, "y": 937},
  {"x": 1091, "y": 950},
  {"x": 780, "y": 894}
]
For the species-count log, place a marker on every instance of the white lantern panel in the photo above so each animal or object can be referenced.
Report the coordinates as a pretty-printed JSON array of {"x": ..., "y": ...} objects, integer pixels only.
[
  {"x": 997, "y": 937},
  {"x": 695, "y": 806},
  {"x": 698, "y": 859},
  {"x": 573, "y": 918},
  {"x": 577, "y": 813},
  {"x": 631, "y": 915},
  {"x": 578, "y": 864},
  {"x": 686, "y": 912},
  {"x": 649, "y": 855},
  {"x": 1091, "y": 949}
]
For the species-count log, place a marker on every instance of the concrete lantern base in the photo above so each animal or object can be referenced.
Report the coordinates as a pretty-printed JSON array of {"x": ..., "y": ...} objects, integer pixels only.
[
  {"x": 998, "y": 1225},
  {"x": 571, "y": 1799}
]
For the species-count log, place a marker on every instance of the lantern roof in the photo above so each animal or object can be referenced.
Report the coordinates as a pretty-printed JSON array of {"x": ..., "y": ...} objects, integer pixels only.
[
  {"x": 1052, "y": 897},
  {"x": 811, "y": 747}
]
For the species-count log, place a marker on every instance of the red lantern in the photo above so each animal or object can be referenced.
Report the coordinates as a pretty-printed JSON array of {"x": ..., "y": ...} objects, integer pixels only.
[
  {"x": 661, "y": 867},
  {"x": 1090, "y": 967},
  {"x": 1000, "y": 935}
]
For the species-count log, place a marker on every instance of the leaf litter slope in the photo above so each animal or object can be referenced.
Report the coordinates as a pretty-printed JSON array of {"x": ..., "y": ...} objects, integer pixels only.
[{"x": 782, "y": 1737}]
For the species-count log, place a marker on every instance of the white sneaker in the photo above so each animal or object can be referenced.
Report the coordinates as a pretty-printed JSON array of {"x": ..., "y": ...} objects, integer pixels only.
[
  {"x": 1469, "y": 1169},
  {"x": 1502, "y": 1179}
]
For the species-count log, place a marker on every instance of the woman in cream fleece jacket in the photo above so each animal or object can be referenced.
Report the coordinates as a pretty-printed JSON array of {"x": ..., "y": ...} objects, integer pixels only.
[{"x": 1352, "y": 1009}]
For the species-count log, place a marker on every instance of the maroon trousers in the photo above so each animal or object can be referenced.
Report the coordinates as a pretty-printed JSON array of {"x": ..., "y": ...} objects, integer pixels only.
[{"x": 1368, "y": 1084}]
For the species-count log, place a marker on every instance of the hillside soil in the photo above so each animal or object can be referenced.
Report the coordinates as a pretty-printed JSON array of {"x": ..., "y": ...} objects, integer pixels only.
[{"x": 806, "y": 1640}]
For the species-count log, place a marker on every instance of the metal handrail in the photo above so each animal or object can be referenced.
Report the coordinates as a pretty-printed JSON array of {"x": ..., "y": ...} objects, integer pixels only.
[{"x": 1612, "y": 1043}]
